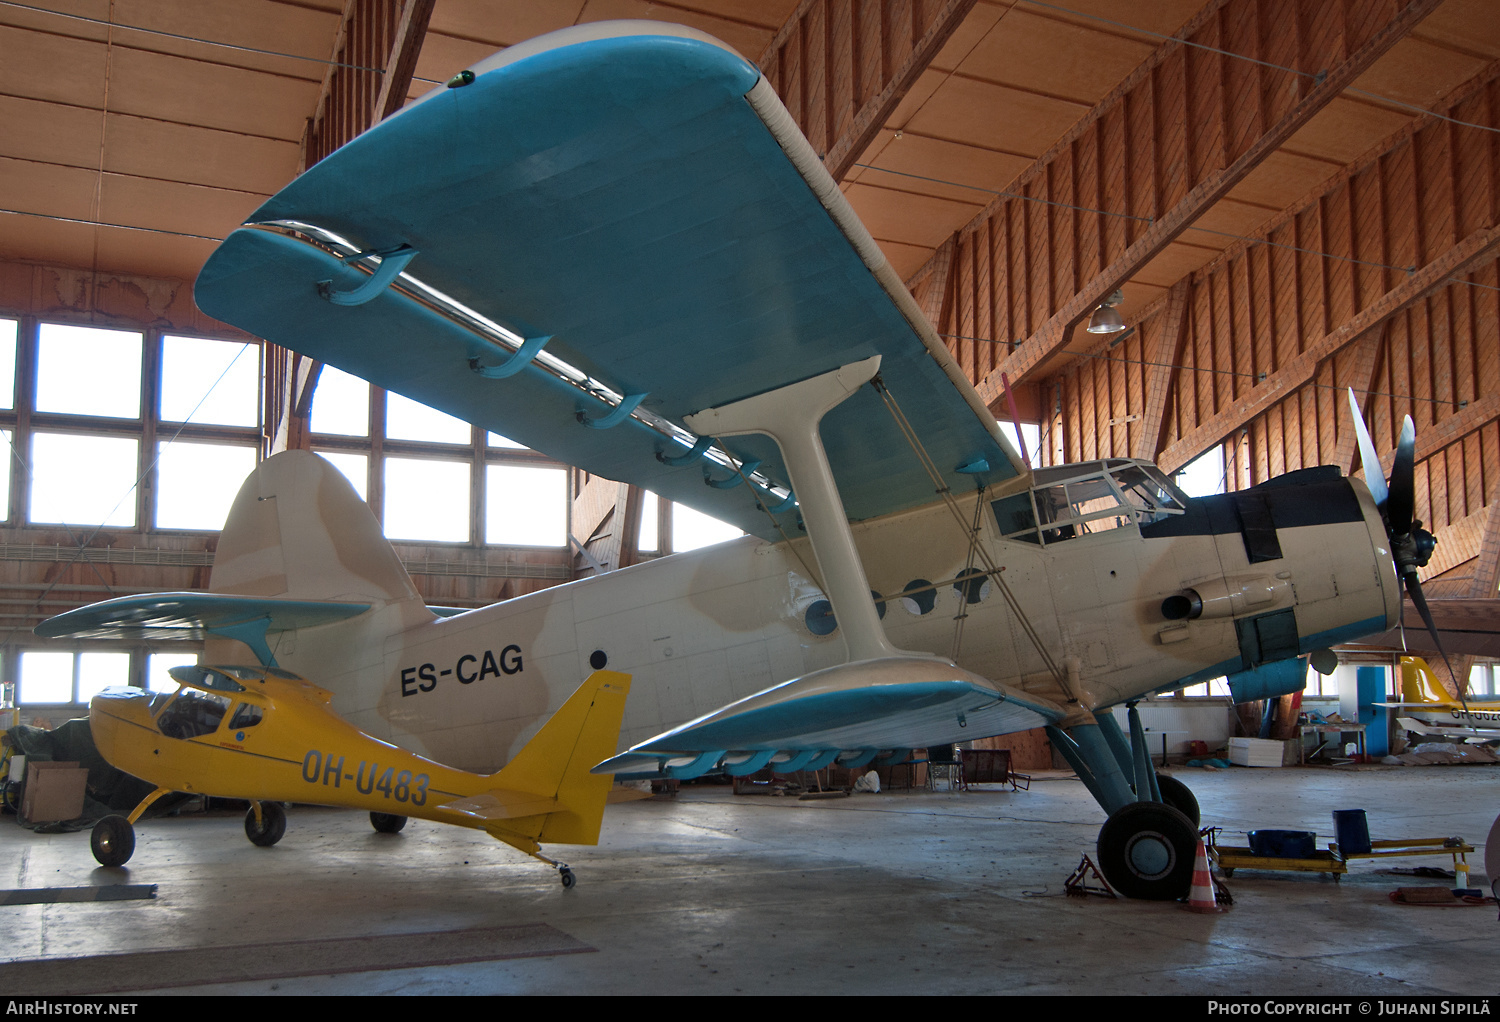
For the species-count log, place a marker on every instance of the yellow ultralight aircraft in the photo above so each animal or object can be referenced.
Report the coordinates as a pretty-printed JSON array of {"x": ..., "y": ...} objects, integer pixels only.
[
  {"x": 1430, "y": 710},
  {"x": 267, "y": 735}
]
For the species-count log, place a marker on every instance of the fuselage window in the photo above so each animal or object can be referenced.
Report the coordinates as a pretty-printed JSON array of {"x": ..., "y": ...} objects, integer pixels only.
[{"x": 920, "y": 596}]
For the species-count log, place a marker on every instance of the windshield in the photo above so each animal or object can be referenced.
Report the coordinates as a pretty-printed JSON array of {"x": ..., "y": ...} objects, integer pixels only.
[{"x": 1078, "y": 500}]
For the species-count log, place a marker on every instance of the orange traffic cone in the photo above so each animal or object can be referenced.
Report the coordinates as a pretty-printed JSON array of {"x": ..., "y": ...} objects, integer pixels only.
[{"x": 1201, "y": 897}]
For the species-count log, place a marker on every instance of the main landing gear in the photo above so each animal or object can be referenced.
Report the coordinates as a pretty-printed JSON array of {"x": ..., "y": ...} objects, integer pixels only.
[
  {"x": 113, "y": 838},
  {"x": 1147, "y": 846}
]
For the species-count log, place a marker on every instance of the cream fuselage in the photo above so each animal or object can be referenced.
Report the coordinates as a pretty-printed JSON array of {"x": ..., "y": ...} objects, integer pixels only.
[{"x": 701, "y": 629}]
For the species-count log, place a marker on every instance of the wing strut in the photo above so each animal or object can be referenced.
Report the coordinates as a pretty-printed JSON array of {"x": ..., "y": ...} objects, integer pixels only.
[{"x": 790, "y": 416}]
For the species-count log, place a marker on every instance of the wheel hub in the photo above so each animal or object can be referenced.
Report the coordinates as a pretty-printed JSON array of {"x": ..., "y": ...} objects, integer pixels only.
[{"x": 1150, "y": 855}]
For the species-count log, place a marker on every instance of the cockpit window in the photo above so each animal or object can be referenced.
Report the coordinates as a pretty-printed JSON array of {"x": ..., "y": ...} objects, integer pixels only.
[
  {"x": 1077, "y": 500},
  {"x": 192, "y": 713},
  {"x": 246, "y": 715}
]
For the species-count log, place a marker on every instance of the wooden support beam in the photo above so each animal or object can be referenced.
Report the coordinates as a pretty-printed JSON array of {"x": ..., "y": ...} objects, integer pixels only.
[
  {"x": 401, "y": 64},
  {"x": 1099, "y": 204},
  {"x": 1311, "y": 272},
  {"x": 1299, "y": 371},
  {"x": 1162, "y": 357},
  {"x": 842, "y": 68}
]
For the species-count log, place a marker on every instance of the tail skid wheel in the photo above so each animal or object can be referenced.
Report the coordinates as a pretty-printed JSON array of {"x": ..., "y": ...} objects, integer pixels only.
[
  {"x": 113, "y": 841},
  {"x": 566, "y": 876},
  {"x": 1146, "y": 851},
  {"x": 269, "y": 829}
]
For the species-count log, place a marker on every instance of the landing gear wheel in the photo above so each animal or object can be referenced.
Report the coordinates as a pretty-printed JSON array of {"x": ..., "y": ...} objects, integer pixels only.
[
  {"x": 1146, "y": 850},
  {"x": 387, "y": 823},
  {"x": 566, "y": 876},
  {"x": 10, "y": 796},
  {"x": 1179, "y": 796},
  {"x": 113, "y": 841},
  {"x": 271, "y": 826}
]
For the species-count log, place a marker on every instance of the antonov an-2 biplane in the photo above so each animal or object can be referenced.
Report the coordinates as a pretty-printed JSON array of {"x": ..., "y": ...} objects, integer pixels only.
[{"x": 612, "y": 244}]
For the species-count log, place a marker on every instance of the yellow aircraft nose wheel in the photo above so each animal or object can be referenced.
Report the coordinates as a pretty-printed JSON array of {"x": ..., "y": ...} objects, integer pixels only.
[
  {"x": 113, "y": 841},
  {"x": 265, "y": 823}
]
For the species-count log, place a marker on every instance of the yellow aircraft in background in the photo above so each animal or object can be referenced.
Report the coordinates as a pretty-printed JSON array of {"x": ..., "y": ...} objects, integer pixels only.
[
  {"x": 267, "y": 735},
  {"x": 1428, "y": 709}
]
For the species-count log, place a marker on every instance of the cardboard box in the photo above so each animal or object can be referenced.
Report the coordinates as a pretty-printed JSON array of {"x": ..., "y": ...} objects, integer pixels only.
[{"x": 54, "y": 791}]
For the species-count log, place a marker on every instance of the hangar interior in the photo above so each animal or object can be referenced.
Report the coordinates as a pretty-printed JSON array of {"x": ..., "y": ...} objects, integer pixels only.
[{"x": 1279, "y": 200}]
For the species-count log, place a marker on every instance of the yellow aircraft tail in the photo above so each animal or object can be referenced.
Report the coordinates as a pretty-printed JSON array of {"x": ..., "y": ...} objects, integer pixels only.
[
  {"x": 1419, "y": 684},
  {"x": 555, "y": 763}
]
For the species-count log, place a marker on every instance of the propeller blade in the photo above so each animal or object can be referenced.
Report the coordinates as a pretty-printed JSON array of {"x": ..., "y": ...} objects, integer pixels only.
[
  {"x": 1403, "y": 487},
  {"x": 1414, "y": 587},
  {"x": 1367, "y": 456}
]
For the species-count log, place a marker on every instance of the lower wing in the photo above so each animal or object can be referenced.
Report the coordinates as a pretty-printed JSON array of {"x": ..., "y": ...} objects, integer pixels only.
[{"x": 853, "y": 714}]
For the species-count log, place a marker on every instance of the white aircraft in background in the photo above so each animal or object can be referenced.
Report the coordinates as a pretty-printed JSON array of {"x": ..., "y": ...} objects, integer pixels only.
[{"x": 612, "y": 244}]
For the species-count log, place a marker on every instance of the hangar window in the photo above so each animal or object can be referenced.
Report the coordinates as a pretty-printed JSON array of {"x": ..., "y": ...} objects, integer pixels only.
[
  {"x": 88, "y": 371},
  {"x": 196, "y": 483},
  {"x": 694, "y": 529},
  {"x": 83, "y": 480},
  {"x": 427, "y": 500},
  {"x": 406, "y": 419},
  {"x": 8, "y": 333},
  {"x": 354, "y": 467},
  {"x": 55, "y": 678},
  {"x": 210, "y": 382},
  {"x": 525, "y": 506},
  {"x": 341, "y": 404}
]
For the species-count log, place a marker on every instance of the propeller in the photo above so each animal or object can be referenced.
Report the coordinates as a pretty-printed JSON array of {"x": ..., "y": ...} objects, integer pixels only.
[{"x": 1411, "y": 545}]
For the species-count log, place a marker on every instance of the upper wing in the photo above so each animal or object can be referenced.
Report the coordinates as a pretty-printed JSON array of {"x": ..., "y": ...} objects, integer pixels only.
[{"x": 636, "y": 195}]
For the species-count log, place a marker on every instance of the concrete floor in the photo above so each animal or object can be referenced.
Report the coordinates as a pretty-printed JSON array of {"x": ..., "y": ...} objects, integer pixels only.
[{"x": 892, "y": 893}]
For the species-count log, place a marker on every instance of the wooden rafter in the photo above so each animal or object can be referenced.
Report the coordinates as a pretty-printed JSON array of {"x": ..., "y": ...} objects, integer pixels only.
[
  {"x": 1384, "y": 279},
  {"x": 1276, "y": 387},
  {"x": 1140, "y": 167},
  {"x": 841, "y": 67}
]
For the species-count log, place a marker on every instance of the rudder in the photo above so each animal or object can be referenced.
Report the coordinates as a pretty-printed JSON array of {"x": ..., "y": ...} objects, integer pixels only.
[{"x": 556, "y": 762}]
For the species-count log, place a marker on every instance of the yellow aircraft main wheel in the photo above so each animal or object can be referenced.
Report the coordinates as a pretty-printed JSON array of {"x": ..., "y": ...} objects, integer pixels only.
[
  {"x": 268, "y": 830},
  {"x": 113, "y": 841},
  {"x": 387, "y": 823}
]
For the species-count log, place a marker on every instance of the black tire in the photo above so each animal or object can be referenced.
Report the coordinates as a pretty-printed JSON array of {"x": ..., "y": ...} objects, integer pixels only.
[
  {"x": 113, "y": 841},
  {"x": 387, "y": 823},
  {"x": 1180, "y": 797},
  {"x": 270, "y": 828},
  {"x": 1146, "y": 851},
  {"x": 10, "y": 796},
  {"x": 567, "y": 877}
]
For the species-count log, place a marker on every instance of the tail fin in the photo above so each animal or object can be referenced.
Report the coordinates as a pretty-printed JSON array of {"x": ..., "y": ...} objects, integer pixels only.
[
  {"x": 556, "y": 762},
  {"x": 298, "y": 529},
  {"x": 1419, "y": 684}
]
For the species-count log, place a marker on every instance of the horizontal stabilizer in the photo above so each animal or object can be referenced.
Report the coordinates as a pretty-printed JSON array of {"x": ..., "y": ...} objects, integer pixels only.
[
  {"x": 500, "y": 804},
  {"x": 891, "y": 703},
  {"x": 166, "y": 616}
]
